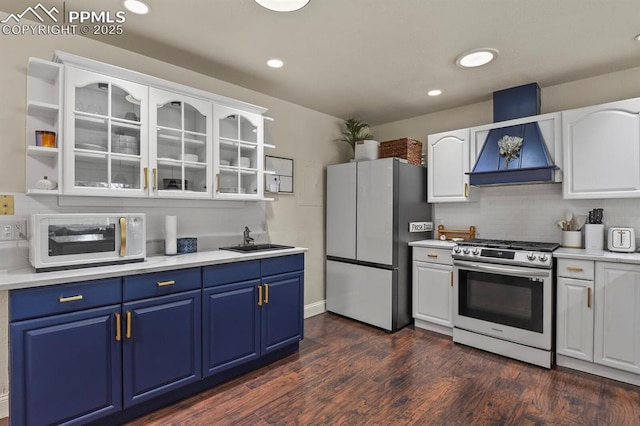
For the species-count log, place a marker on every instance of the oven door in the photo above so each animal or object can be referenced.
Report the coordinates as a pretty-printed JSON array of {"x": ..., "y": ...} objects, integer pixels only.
[{"x": 508, "y": 302}]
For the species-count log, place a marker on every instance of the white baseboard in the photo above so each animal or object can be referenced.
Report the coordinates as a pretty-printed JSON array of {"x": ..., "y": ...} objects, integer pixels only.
[
  {"x": 314, "y": 309},
  {"x": 4, "y": 406}
]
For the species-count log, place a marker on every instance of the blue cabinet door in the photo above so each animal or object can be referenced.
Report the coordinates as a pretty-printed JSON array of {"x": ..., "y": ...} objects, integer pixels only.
[
  {"x": 282, "y": 316},
  {"x": 161, "y": 345},
  {"x": 231, "y": 325},
  {"x": 65, "y": 368}
]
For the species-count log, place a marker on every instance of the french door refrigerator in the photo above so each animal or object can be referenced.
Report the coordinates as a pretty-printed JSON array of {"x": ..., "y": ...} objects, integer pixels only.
[{"x": 370, "y": 205}]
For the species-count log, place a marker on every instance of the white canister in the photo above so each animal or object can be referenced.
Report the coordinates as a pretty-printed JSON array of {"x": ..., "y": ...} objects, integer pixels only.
[
  {"x": 594, "y": 236},
  {"x": 572, "y": 239}
]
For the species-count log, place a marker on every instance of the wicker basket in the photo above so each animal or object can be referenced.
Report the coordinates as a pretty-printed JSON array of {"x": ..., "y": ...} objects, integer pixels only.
[{"x": 407, "y": 148}]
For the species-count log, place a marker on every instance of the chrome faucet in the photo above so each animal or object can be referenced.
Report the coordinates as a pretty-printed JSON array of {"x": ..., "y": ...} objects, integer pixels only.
[{"x": 247, "y": 240}]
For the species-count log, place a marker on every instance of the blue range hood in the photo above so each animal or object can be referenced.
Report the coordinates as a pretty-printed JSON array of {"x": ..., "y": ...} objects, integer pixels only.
[{"x": 526, "y": 162}]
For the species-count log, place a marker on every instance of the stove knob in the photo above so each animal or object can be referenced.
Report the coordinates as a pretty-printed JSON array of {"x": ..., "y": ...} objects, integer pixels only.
[
  {"x": 476, "y": 251},
  {"x": 466, "y": 250},
  {"x": 457, "y": 250},
  {"x": 542, "y": 257},
  {"x": 531, "y": 256}
]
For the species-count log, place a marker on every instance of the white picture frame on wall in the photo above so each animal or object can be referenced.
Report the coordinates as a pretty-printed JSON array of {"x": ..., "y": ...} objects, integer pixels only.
[{"x": 281, "y": 181}]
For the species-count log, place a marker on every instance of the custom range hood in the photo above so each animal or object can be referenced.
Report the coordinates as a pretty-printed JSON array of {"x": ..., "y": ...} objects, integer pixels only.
[{"x": 514, "y": 154}]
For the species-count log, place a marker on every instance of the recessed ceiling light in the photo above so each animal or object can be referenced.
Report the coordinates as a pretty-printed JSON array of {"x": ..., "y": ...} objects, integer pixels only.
[
  {"x": 275, "y": 63},
  {"x": 283, "y": 5},
  {"x": 637, "y": 38},
  {"x": 476, "y": 57},
  {"x": 434, "y": 92},
  {"x": 136, "y": 6}
]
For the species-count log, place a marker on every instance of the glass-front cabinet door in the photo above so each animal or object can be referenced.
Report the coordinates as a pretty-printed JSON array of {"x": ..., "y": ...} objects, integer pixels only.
[
  {"x": 238, "y": 154},
  {"x": 180, "y": 146},
  {"x": 105, "y": 142}
]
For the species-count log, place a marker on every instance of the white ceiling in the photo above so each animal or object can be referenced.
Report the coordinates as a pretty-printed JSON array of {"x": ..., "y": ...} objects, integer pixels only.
[{"x": 376, "y": 59}]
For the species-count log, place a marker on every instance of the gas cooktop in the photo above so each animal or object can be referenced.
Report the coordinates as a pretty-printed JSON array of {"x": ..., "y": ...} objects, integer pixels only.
[
  {"x": 526, "y": 253},
  {"x": 512, "y": 245}
]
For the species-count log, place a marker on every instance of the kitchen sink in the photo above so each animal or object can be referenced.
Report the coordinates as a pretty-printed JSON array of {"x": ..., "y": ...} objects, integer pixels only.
[{"x": 251, "y": 248}]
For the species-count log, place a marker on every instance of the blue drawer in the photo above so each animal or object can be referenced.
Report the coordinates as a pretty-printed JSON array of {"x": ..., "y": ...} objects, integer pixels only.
[
  {"x": 282, "y": 264},
  {"x": 57, "y": 299},
  {"x": 230, "y": 273},
  {"x": 161, "y": 283}
]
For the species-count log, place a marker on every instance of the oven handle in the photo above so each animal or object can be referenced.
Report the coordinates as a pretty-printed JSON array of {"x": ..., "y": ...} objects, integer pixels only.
[{"x": 500, "y": 269}]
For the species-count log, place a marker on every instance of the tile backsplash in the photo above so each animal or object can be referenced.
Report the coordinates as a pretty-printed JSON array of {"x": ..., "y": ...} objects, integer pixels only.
[
  {"x": 214, "y": 223},
  {"x": 529, "y": 212}
]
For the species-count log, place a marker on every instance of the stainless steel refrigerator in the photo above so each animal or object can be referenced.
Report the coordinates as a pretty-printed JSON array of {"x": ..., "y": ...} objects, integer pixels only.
[{"x": 370, "y": 206}]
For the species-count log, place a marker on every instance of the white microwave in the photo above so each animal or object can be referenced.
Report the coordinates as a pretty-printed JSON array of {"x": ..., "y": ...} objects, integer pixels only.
[{"x": 66, "y": 241}]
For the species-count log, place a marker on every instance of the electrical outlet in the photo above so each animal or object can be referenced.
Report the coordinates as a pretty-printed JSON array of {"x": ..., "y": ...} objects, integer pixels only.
[{"x": 13, "y": 229}]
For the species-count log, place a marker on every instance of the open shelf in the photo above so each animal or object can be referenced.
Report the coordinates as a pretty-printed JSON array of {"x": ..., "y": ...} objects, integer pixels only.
[
  {"x": 42, "y": 109},
  {"x": 42, "y": 151}
]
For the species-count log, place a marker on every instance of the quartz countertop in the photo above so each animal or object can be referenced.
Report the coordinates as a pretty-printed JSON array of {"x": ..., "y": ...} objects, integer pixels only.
[
  {"x": 26, "y": 277},
  {"x": 599, "y": 255},
  {"x": 446, "y": 244}
]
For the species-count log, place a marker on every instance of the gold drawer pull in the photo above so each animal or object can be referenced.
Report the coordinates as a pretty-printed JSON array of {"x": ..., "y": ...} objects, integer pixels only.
[
  {"x": 70, "y": 298},
  {"x": 118, "y": 328},
  {"x": 266, "y": 293},
  {"x": 259, "y": 295},
  {"x": 588, "y": 297},
  {"x": 431, "y": 255},
  {"x": 165, "y": 283},
  {"x": 574, "y": 269}
]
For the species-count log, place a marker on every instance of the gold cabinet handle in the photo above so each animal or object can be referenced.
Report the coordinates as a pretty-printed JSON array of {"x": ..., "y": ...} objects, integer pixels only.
[
  {"x": 588, "y": 297},
  {"x": 146, "y": 177},
  {"x": 217, "y": 182},
  {"x": 574, "y": 269},
  {"x": 466, "y": 190},
  {"x": 123, "y": 236},
  {"x": 451, "y": 278},
  {"x": 70, "y": 298},
  {"x": 128, "y": 335},
  {"x": 118, "y": 327},
  {"x": 259, "y": 295},
  {"x": 432, "y": 255},
  {"x": 165, "y": 283},
  {"x": 266, "y": 293},
  {"x": 155, "y": 178}
]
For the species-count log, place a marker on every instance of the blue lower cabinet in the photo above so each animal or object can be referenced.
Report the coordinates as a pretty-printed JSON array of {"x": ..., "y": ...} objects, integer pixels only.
[
  {"x": 282, "y": 315},
  {"x": 231, "y": 325},
  {"x": 161, "y": 345},
  {"x": 66, "y": 369}
]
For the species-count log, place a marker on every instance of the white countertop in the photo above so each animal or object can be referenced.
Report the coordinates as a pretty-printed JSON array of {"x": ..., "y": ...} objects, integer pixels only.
[
  {"x": 447, "y": 244},
  {"x": 12, "y": 279},
  {"x": 599, "y": 255}
]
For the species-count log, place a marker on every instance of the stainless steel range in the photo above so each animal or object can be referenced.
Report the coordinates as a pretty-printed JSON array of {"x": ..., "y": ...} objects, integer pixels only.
[{"x": 503, "y": 298}]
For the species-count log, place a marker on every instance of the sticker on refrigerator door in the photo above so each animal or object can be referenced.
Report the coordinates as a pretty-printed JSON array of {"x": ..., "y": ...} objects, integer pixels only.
[{"x": 420, "y": 226}]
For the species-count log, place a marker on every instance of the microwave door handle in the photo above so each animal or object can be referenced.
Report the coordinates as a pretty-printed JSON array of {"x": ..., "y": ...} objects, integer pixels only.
[
  {"x": 123, "y": 236},
  {"x": 502, "y": 270}
]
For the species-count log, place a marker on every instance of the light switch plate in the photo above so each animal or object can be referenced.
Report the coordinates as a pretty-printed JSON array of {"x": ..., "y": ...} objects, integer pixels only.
[{"x": 6, "y": 205}]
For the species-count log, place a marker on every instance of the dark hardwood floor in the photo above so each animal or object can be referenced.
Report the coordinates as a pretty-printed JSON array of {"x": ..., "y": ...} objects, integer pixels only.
[{"x": 353, "y": 374}]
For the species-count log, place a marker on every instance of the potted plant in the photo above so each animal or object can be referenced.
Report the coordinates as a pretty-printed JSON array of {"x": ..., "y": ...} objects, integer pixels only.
[{"x": 361, "y": 141}]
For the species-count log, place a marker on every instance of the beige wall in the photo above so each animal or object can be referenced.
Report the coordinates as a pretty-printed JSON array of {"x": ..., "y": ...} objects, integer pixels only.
[
  {"x": 299, "y": 133},
  {"x": 579, "y": 93}
]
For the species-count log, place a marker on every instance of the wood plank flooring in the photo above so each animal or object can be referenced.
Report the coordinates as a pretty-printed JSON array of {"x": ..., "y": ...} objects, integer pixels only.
[{"x": 353, "y": 374}]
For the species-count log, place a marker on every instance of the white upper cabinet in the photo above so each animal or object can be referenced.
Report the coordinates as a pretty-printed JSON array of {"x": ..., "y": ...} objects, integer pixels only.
[
  {"x": 448, "y": 163},
  {"x": 238, "y": 157},
  {"x": 602, "y": 151},
  {"x": 180, "y": 148},
  {"x": 105, "y": 138},
  {"x": 44, "y": 114}
]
